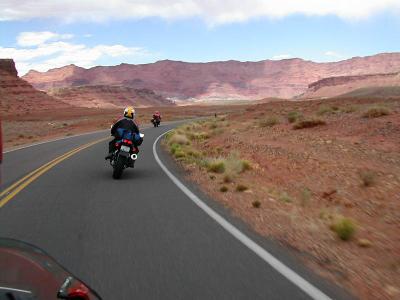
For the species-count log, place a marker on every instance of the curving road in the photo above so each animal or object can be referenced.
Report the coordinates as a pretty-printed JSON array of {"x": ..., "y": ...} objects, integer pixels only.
[{"x": 141, "y": 237}]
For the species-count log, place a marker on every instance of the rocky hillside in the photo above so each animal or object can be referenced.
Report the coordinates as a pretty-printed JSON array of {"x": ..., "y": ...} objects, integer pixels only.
[
  {"x": 18, "y": 96},
  {"x": 104, "y": 96},
  {"x": 334, "y": 86},
  {"x": 217, "y": 80}
]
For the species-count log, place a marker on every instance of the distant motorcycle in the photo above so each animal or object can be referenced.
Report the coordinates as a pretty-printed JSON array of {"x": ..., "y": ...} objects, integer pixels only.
[
  {"x": 124, "y": 156},
  {"x": 156, "y": 122}
]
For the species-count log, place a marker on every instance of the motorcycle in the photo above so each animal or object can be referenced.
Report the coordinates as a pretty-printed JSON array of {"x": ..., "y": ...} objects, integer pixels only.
[
  {"x": 28, "y": 273},
  {"x": 156, "y": 122},
  {"x": 124, "y": 156}
]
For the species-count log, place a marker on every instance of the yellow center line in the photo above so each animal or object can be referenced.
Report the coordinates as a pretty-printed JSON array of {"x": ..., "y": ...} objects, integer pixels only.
[
  {"x": 33, "y": 172},
  {"x": 14, "y": 189}
]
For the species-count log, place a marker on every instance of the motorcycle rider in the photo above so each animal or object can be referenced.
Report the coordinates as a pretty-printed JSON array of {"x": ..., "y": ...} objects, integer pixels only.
[
  {"x": 157, "y": 116},
  {"x": 127, "y": 123}
]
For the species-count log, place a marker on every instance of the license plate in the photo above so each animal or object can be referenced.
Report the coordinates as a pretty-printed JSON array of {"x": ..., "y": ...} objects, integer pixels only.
[{"x": 125, "y": 148}]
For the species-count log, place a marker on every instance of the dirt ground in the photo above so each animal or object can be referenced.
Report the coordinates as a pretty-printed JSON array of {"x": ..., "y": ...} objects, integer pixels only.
[
  {"x": 303, "y": 182},
  {"x": 22, "y": 129}
]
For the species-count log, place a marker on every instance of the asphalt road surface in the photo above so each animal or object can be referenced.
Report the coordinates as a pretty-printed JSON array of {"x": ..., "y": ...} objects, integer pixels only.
[{"x": 139, "y": 237}]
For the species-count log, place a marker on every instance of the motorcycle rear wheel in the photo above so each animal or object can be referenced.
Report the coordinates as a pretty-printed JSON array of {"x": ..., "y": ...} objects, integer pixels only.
[{"x": 118, "y": 168}]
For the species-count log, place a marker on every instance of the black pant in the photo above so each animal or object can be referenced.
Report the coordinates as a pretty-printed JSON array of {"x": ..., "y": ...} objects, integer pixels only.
[{"x": 111, "y": 146}]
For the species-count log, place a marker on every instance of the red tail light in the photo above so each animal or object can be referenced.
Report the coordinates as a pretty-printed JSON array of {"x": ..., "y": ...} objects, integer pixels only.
[
  {"x": 79, "y": 292},
  {"x": 129, "y": 142}
]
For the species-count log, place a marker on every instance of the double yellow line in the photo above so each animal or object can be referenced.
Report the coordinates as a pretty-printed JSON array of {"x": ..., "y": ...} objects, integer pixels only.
[{"x": 18, "y": 186}]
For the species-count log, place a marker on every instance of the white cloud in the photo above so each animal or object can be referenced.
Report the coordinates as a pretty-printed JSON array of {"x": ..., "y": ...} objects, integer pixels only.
[
  {"x": 38, "y": 38},
  {"x": 213, "y": 11},
  {"x": 46, "y": 54},
  {"x": 281, "y": 56},
  {"x": 334, "y": 54}
]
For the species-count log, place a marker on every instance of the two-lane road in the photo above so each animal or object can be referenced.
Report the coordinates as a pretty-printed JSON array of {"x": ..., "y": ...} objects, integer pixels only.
[{"x": 140, "y": 237}]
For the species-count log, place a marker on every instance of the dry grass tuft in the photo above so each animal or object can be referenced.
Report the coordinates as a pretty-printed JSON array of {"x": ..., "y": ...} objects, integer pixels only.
[
  {"x": 216, "y": 166},
  {"x": 268, "y": 122},
  {"x": 241, "y": 188},
  {"x": 309, "y": 123},
  {"x": 344, "y": 228},
  {"x": 179, "y": 139},
  {"x": 376, "y": 111},
  {"x": 256, "y": 204},
  {"x": 368, "y": 178},
  {"x": 223, "y": 189},
  {"x": 294, "y": 116}
]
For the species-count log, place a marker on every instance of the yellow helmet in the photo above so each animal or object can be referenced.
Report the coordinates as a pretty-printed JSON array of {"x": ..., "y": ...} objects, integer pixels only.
[{"x": 129, "y": 112}]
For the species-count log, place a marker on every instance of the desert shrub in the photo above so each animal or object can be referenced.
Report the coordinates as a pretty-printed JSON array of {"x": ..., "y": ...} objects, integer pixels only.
[
  {"x": 198, "y": 136},
  {"x": 179, "y": 154},
  {"x": 344, "y": 228},
  {"x": 326, "y": 110},
  {"x": 235, "y": 165},
  {"x": 228, "y": 178},
  {"x": 376, "y": 111},
  {"x": 216, "y": 166},
  {"x": 364, "y": 243},
  {"x": 256, "y": 204},
  {"x": 213, "y": 125},
  {"x": 308, "y": 123},
  {"x": 305, "y": 196},
  {"x": 268, "y": 122},
  {"x": 193, "y": 153},
  {"x": 217, "y": 131},
  {"x": 246, "y": 165},
  {"x": 284, "y": 197},
  {"x": 241, "y": 188},
  {"x": 223, "y": 189},
  {"x": 293, "y": 116},
  {"x": 168, "y": 135},
  {"x": 349, "y": 109},
  {"x": 179, "y": 139},
  {"x": 174, "y": 147},
  {"x": 367, "y": 177}
]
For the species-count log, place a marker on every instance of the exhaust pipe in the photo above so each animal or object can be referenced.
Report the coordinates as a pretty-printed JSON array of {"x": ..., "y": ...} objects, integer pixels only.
[{"x": 134, "y": 156}]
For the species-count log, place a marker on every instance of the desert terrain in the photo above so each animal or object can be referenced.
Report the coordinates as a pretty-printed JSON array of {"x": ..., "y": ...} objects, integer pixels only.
[
  {"x": 319, "y": 172},
  {"x": 321, "y": 177}
]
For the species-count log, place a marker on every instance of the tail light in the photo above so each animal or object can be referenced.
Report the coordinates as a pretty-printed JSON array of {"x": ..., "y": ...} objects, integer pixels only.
[
  {"x": 129, "y": 142},
  {"x": 117, "y": 145}
]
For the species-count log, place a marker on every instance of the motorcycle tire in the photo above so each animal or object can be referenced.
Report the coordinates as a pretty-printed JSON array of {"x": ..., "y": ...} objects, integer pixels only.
[{"x": 118, "y": 168}]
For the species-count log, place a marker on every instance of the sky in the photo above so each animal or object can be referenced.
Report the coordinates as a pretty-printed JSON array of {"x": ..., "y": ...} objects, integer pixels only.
[{"x": 45, "y": 34}]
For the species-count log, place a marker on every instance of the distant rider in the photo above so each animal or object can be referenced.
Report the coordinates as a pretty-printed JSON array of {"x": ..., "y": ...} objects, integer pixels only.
[
  {"x": 157, "y": 116},
  {"x": 127, "y": 123}
]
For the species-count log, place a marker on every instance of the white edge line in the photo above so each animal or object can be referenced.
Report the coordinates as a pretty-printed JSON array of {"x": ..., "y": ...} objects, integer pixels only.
[
  {"x": 16, "y": 290},
  {"x": 288, "y": 273}
]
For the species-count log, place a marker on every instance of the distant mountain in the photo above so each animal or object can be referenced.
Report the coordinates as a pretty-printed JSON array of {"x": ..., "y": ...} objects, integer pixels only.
[
  {"x": 217, "y": 80},
  {"x": 18, "y": 97},
  {"x": 335, "y": 86},
  {"x": 105, "y": 96}
]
